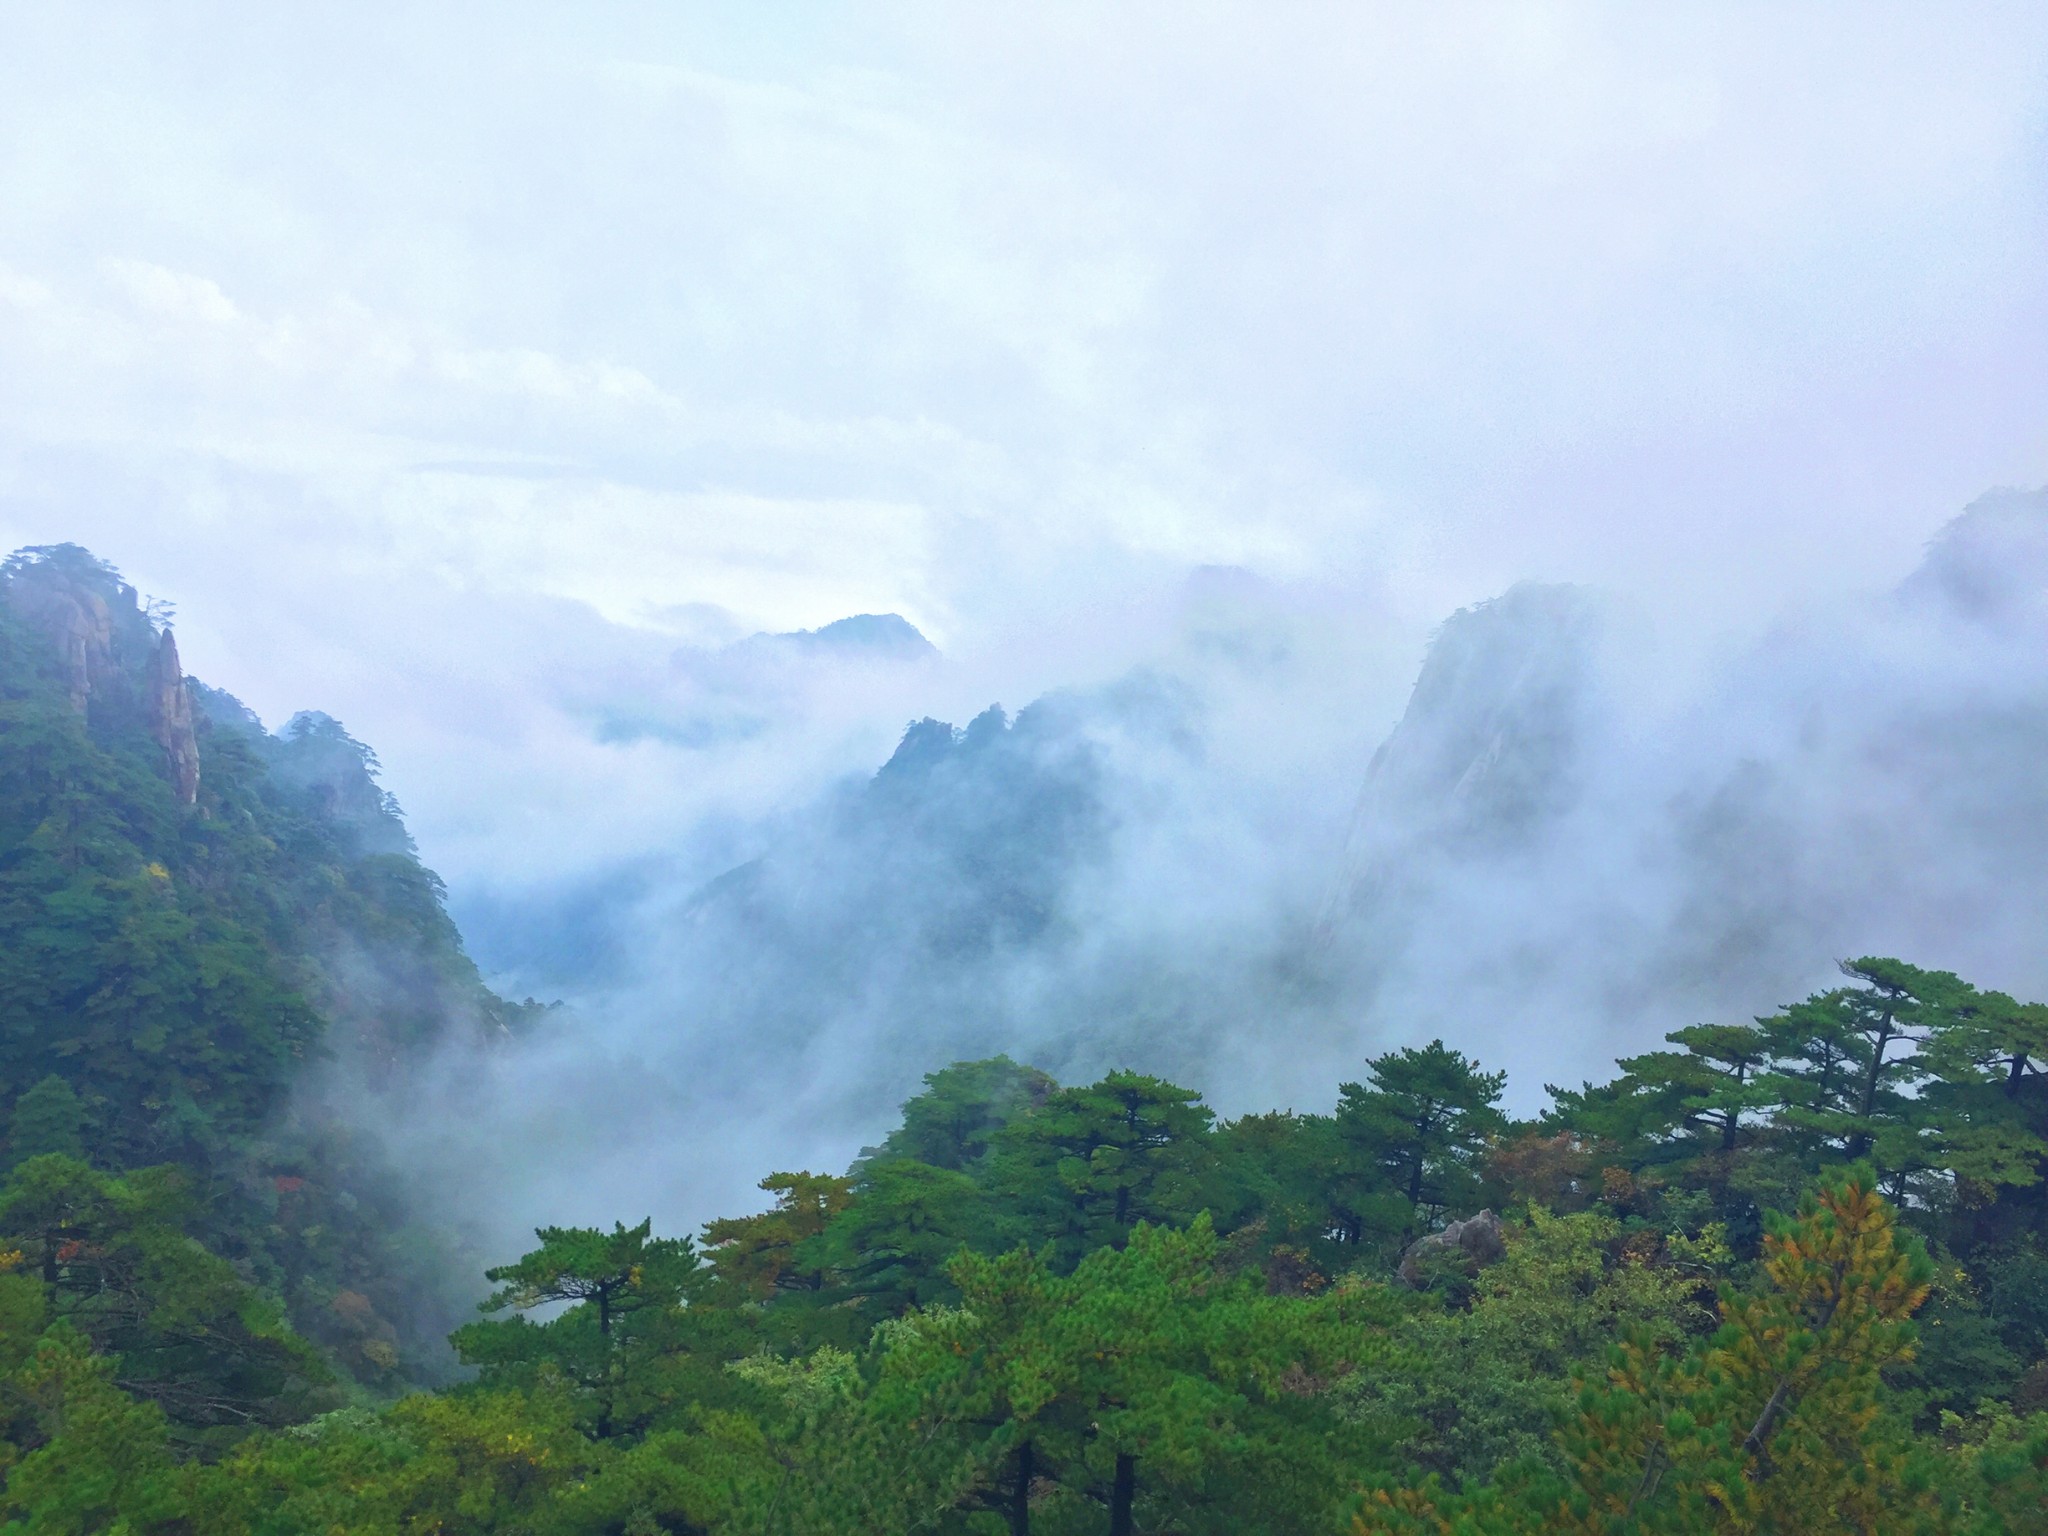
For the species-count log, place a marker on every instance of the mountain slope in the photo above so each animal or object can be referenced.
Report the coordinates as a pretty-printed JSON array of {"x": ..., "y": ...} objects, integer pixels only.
[
  {"x": 206, "y": 933},
  {"x": 1568, "y": 858}
]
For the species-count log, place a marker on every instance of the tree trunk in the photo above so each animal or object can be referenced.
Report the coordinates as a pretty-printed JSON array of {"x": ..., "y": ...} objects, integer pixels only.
[
  {"x": 1120, "y": 1497},
  {"x": 1020, "y": 1501},
  {"x": 604, "y": 1328},
  {"x": 1860, "y": 1142},
  {"x": 1876, "y": 1072},
  {"x": 1758, "y": 1441},
  {"x": 1731, "y": 1118}
]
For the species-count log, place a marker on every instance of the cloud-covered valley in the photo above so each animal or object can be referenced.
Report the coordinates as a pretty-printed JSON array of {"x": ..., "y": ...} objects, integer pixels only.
[
  {"x": 1202, "y": 386},
  {"x": 1568, "y": 843}
]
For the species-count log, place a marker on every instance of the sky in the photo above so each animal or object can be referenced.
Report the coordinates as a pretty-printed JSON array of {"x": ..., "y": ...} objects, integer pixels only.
[{"x": 450, "y": 366}]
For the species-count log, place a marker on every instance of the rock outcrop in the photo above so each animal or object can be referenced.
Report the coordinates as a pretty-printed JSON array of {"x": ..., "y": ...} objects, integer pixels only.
[
  {"x": 1488, "y": 753},
  {"x": 1475, "y": 1242},
  {"x": 116, "y": 668},
  {"x": 170, "y": 719},
  {"x": 74, "y": 619},
  {"x": 1989, "y": 566}
]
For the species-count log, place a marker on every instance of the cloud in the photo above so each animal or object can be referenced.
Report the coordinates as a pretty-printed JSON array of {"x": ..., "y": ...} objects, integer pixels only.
[
  {"x": 1551, "y": 864},
  {"x": 452, "y": 375}
]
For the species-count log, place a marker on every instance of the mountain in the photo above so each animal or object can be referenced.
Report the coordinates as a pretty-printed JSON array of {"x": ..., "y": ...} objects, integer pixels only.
[
  {"x": 865, "y": 636},
  {"x": 1990, "y": 565},
  {"x": 211, "y": 939},
  {"x": 1491, "y": 748},
  {"x": 716, "y": 695},
  {"x": 897, "y": 903},
  {"x": 1569, "y": 858},
  {"x": 1565, "y": 843},
  {"x": 1545, "y": 856}
]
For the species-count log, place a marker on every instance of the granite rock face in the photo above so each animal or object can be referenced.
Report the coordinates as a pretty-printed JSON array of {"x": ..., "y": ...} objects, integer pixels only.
[
  {"x": 170, "y": 719},
  {"x": 1478, "y": 1241},
  {"x": 75, "y": 620},
  {"x": 1488, "y": 758},
  {"x": 117, "y": 668}
]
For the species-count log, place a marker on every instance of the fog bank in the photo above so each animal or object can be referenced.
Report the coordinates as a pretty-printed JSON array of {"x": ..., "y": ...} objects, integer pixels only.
[{"x": 1568, "y": 843}]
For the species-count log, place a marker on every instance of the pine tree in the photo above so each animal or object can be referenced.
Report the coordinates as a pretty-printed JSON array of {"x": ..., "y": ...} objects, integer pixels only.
[
  {"x": 1420, "y": 1125},
  {"x": 1780, "y": 1424},
  {"x": 1092, "y": 1162},
  {"x": 619, "y": 1285},
  {"x": 778, "y": 1249},
  {"x": 47, "y": 1118}
]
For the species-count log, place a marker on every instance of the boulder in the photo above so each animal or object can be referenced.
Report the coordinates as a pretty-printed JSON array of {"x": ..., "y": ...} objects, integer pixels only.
[{"x": 1477, "y": 1241}]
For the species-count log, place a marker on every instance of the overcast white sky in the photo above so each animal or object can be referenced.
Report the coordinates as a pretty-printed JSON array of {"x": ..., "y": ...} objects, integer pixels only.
[{"x": 439, "y": 359}]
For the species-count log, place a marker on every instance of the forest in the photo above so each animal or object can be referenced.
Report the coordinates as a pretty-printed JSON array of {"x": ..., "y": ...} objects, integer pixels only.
[{"x": 1787, "y": 1274}]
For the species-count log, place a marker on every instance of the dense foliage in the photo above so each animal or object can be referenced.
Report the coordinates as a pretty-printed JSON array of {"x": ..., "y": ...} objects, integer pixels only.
[
  {"x": 178, "y": 980},
  {"x": 1783, "y": 1276},
  {"x": 1096, "y": 1309}
]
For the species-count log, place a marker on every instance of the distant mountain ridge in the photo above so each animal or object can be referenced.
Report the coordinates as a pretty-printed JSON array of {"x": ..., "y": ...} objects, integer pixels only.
[
  {"x": 731, "y": 692},
  {"x": 879, "y": 635},
  {"x": 1856, "y": 782},
  {"x": 1530, "y": 845}
]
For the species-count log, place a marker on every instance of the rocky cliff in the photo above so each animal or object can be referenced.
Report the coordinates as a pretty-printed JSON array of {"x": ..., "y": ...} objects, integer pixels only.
[
  {"x": 51, "y": 597},
  {"x": 170, "y": 719},
  {"x": 116, "y": 666},
  {"x": 1489, "y": 750}
]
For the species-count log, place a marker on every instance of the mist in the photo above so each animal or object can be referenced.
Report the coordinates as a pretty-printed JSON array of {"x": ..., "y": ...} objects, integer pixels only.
[
  {"x": 1436, "y": 498},
  {"x": 1222, "y": 867}
]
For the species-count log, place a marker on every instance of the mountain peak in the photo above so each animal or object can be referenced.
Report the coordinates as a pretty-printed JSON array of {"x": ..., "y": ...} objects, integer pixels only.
[
  {"x": 111, "y": 657},
  {"x": 861, "y": 636},
  {"x": 1991, "y": 562},
  {"x": 870, "y": 632}
]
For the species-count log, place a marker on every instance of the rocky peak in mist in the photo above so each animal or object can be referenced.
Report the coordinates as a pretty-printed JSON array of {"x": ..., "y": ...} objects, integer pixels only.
[
  {"x": 1492, "y": 730},
  {"x": 1489, "y": 749},
  {"x": 718, "y": 694},
  {"x": 959, "y": 843},
  {"x": 937, "y": 903},
  {"x": 1539, "y": 845},
  {"x": 1990, "y": 565},
  {"x": 871, "y": 636},
  {"x": 117, "y": 667},
  {"x": 1509, "y": 721},
  {"x": 333, "y": 775},
  {"x": 863, "y": 639},
  {"x": 929, "y": 746}
]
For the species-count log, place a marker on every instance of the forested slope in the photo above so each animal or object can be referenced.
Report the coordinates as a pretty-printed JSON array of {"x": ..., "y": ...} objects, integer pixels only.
[
  {"x": 200, "y": 925},
  {"x": 1098, "y": 1309}
]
